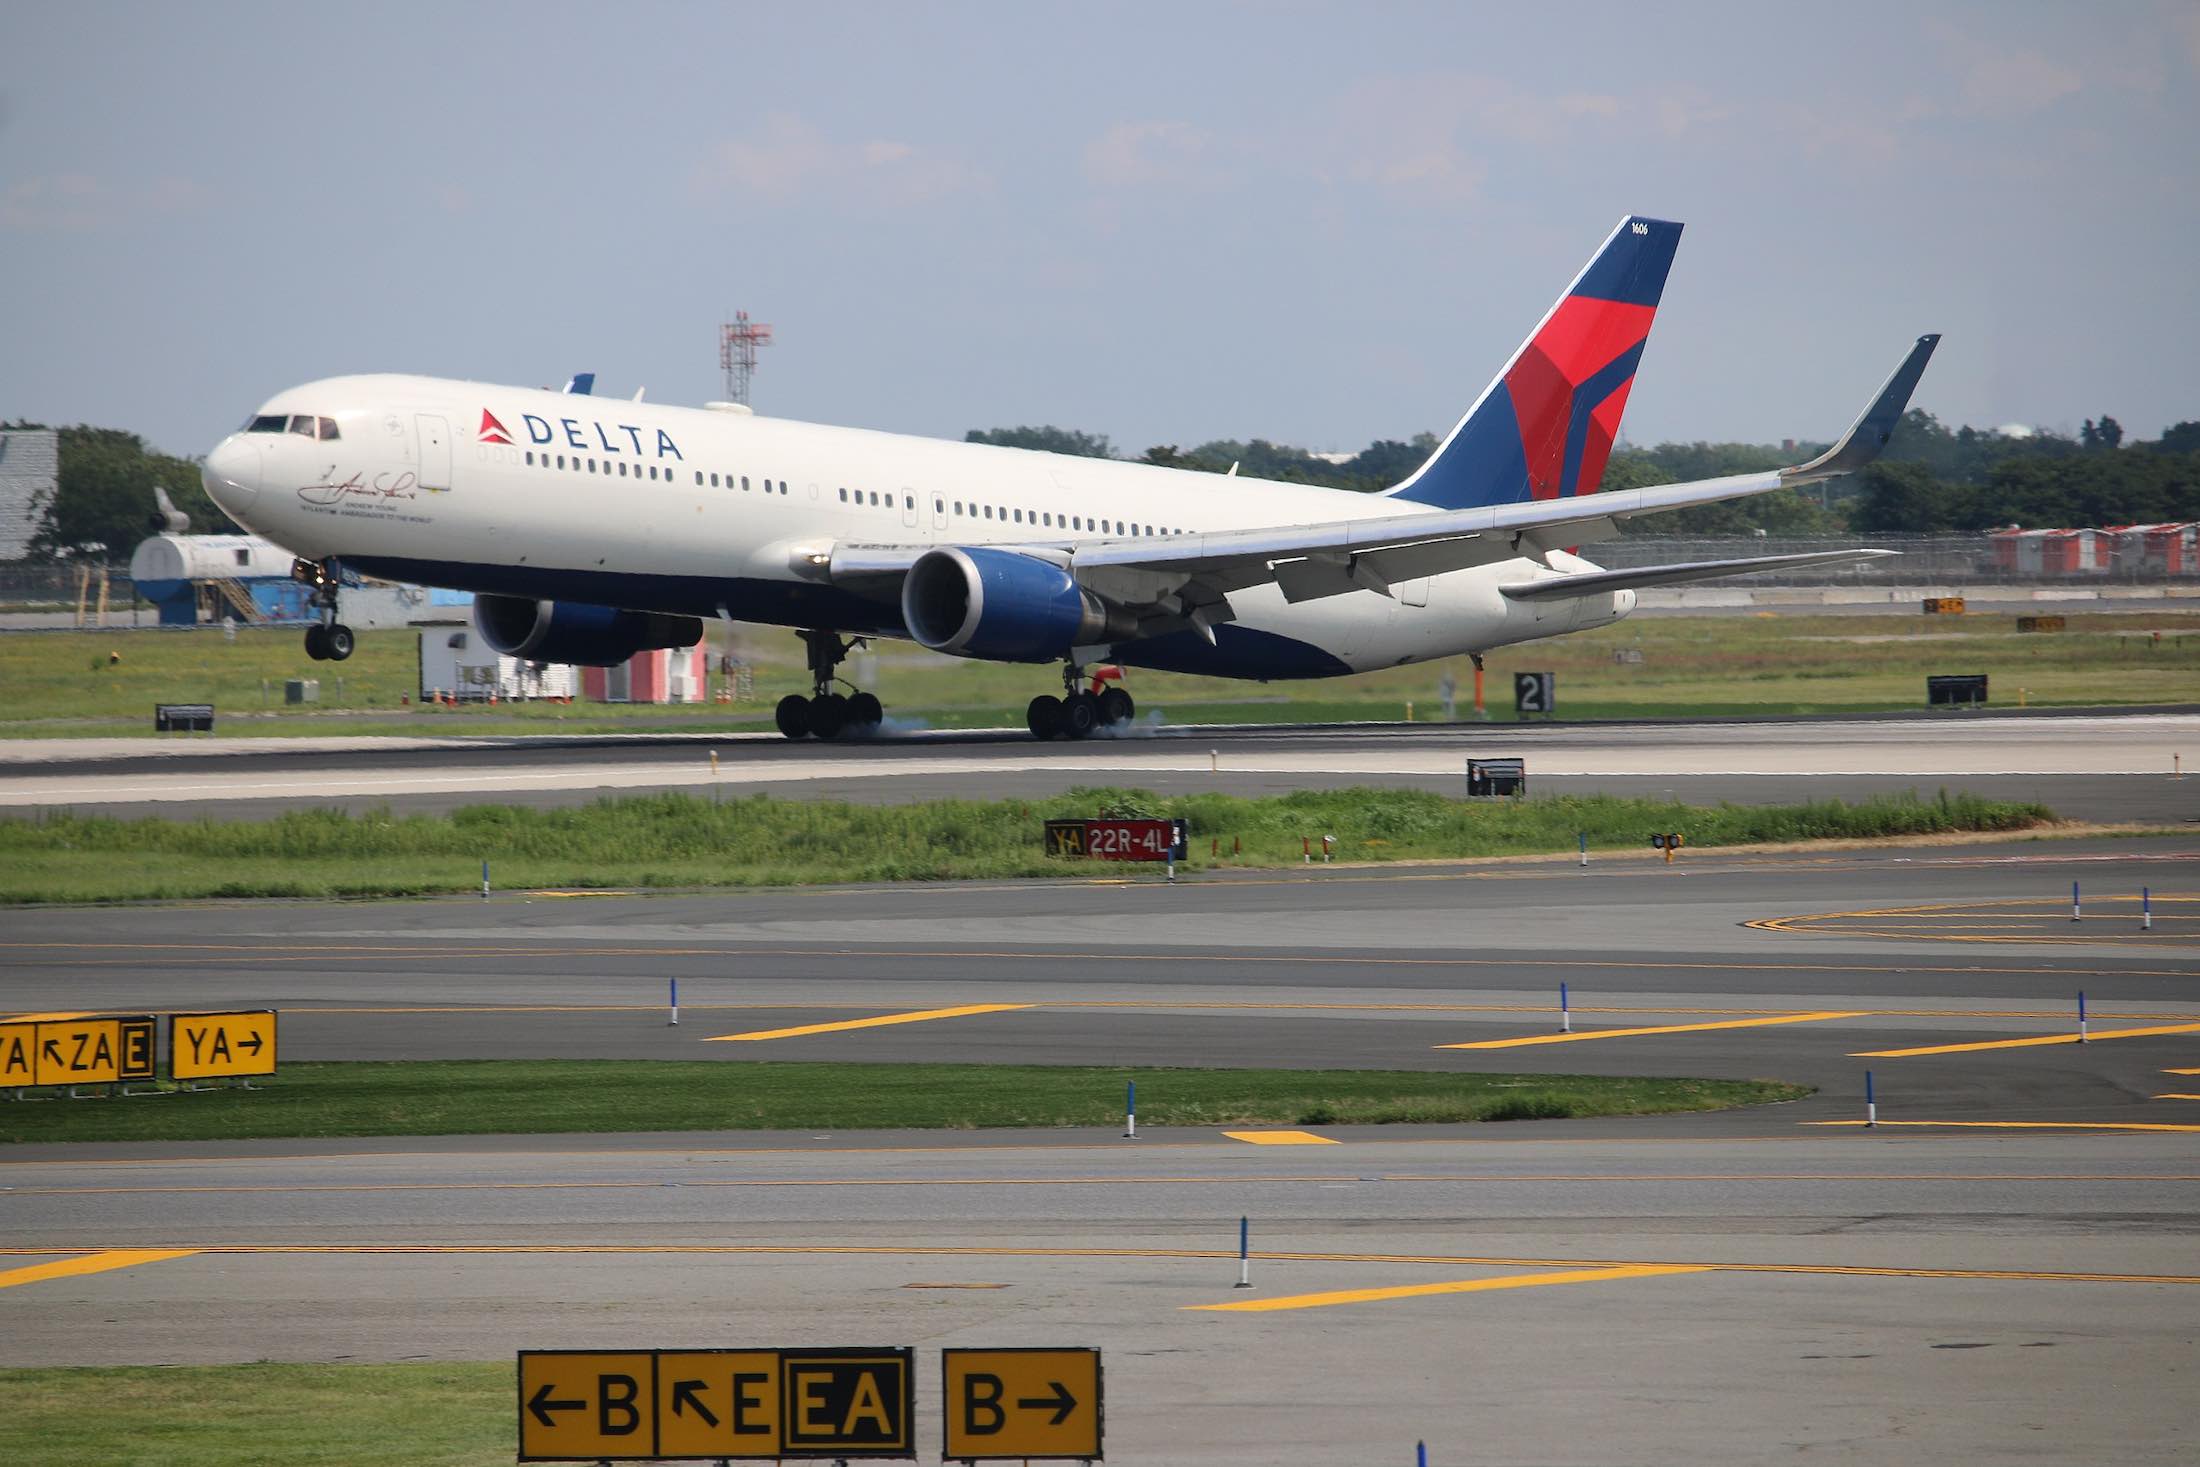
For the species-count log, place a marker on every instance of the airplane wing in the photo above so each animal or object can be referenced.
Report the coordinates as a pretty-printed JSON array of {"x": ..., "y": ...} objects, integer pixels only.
[{"x": 1187, "y": 579}]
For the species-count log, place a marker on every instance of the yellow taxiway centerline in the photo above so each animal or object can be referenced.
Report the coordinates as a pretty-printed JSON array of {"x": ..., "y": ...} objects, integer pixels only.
[
  {"x": 2018, "y": 1125},
  {"x": 2027, "y": 1042},
  {"x": 1281, "y": 1138},
  {"x": 2181, "y": 1072},
  {"x": 101, "y": 1262},
  {"x": 895, "y": 1250},
  {"x": 2177, "y": 1097},
  {"x": 1656, "y": 1029},
  {"x": 1456, "y": 1286},
  {"x": 42, "y": 1018},
  {"x": 880, "y": 1020}
]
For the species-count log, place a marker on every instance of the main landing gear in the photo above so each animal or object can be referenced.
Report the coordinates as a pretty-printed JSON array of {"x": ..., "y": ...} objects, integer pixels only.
[
  {"x": 1080, "y": 712},
  {"x": 827, "y": 714},
  {"x": 327, "y": 640}
]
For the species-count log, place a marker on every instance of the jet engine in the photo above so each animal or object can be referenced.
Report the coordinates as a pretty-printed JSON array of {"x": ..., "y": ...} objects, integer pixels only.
[
  {"x": 577, "y": 632},
  {"x": 1004, "y": 605}
]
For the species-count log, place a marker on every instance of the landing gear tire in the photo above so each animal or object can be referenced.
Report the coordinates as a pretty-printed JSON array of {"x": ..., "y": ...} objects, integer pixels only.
[
  {"x": 1116, "y": 706},
  {"x": 1044, "y": 716},
  {"x": 1080, "y": 715},
  {"x": 828, "y": 715},
  {"x": 793, "y": 716},
  {"x": 317, "y": 642},
  {"x": 865, "y": 711},
  {"x": 337, "y": 641}
]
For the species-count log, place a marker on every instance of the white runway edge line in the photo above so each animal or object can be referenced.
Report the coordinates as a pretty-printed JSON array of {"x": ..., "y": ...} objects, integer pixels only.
[{"x": 2075, "y": 746}]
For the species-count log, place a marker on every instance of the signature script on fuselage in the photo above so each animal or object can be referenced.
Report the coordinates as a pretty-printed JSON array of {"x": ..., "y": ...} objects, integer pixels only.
[{"x": 389, "y": 484}]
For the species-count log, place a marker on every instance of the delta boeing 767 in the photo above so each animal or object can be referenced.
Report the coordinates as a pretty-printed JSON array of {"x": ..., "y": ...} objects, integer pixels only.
[{"x": 590, "y": 529}]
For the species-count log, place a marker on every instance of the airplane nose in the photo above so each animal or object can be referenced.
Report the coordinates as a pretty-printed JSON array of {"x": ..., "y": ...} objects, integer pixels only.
[{"x": 232, "y": 475}]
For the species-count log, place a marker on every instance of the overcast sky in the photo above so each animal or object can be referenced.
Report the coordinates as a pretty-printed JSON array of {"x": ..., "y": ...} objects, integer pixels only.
[{"x": 1320, "y": 224}]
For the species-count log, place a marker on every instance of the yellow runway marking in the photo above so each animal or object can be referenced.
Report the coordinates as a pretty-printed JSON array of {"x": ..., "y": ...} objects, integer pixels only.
[
  {"x": 1281, "y": 1138},
  {"x": 2020, "y": 1125},
  {"x": 1457, "y": 1286},
  {"x": 2008, "y": 919},
  {"x": 885, "y": 1250},
  {"x": 243, "y": 953},
  {"x": 2181, "y": 1072},
  {"x": 1656, "y": 1029},
  {"x": 2177, "y": 1097},
  {"x": 1316, "y": 1179},
  {"x": 2029, "y": 1042},
  {"x": 101, "y": 1262},
  {"x": 880, "y": 1020},
  {"x": 43, "y": 1018}
]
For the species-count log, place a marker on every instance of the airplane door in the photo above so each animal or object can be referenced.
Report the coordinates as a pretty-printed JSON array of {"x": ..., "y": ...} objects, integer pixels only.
[
  {"x": 435, "y": 451},
  {"x": 909, "y": 508}
]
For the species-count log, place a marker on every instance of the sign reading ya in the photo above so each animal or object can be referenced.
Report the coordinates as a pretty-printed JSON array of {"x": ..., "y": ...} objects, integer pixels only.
[
  {"x": 203, "y": 1046},
  {"x": 640, "y": 1405}
]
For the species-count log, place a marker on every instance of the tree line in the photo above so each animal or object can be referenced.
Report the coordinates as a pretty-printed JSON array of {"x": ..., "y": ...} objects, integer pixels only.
[
  {"x": 103, "y": 505},
  {"x": 1932, "y": 479}
]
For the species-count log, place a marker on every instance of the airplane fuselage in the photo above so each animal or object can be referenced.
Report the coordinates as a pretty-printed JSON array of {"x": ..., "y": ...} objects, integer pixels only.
[{"x": 710, "y": 513}]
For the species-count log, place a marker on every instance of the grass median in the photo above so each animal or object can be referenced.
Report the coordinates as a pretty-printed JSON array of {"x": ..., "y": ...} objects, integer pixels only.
[
  {"x": 680, "y": 840},
  {"x": 442, "y": 1415},
  {"x": 498, "y": 1097}
]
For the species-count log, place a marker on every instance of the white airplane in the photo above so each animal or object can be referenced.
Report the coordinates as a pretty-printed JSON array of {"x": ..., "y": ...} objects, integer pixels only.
[{"x": 997, "y": 553}]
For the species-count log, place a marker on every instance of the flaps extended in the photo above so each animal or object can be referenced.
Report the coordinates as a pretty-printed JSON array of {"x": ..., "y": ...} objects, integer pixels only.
[{"x": 1590, "y": 583}]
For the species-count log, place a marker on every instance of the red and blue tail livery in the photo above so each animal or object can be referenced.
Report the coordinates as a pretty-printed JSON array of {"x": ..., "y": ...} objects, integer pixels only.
[{"x": 1544, "y": 428}]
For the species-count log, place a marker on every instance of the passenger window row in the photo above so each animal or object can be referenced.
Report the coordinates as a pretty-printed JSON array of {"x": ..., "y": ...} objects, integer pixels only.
[
  {"x": 575, "y": 463},
  {"x": 1047, "y": 519}
]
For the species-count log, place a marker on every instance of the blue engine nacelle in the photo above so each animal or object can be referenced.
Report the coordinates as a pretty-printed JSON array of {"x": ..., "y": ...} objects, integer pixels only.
[
  {"x": 1004, "y": 605},
  {"x": 576, "y": 632}
]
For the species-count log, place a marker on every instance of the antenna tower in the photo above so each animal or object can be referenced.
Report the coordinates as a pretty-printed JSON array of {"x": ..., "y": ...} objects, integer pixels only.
[{"x": 738, "y": 340}]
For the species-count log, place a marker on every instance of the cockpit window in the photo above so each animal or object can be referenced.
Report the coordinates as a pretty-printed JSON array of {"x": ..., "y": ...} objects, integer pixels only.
[
  {"x": 301, "y": 423},
  {"x": 328, "y": 428},
  {"x": 266, "y": 423}
]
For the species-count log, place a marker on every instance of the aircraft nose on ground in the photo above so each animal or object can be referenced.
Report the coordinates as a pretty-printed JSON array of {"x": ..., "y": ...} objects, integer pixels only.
[{"x": 232, "y": 474}]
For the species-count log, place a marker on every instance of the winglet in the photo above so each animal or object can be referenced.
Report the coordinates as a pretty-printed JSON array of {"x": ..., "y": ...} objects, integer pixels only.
[{"x": 1869, "y": 433}]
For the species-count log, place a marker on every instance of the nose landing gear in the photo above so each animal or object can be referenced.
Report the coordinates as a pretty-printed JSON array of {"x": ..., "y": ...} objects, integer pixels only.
[
  {"x": 328, "y": 640},
  {"x": 1081, "y": 712},
  {"x": 827, "y": 714}
]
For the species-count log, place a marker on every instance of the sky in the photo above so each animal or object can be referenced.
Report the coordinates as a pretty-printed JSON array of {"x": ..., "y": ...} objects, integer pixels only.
[{"x": 1318, "y": 224}]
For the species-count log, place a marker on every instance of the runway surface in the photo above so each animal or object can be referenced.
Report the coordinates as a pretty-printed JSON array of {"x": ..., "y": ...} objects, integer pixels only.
[
  {"x": 2006, "y": 1267},
  {"x": 2106, "y": 768}
]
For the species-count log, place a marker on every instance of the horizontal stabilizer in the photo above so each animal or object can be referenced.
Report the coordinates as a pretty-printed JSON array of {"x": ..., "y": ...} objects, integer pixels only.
[{"x": 1600, "y": 582}]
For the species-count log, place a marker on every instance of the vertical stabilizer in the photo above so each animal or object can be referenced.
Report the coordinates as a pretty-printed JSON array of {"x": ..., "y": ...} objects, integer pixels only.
[{"x": 1544, "y": 428}]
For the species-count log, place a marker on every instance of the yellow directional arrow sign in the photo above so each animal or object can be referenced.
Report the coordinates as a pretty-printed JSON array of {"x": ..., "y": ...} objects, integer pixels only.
[
  {"x": 204, "y": 1046},
  {"x": 718, "y": 1403},
  {"x": 650, "y": 1405},
  {"x": 86, "y": 1051},
  {"x": 1020, "y": 1403},
  {"x": 588, "y": 1404}
]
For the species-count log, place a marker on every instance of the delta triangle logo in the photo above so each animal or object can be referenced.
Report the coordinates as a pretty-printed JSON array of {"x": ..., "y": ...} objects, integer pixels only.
[{"x": 493, "y": 431}]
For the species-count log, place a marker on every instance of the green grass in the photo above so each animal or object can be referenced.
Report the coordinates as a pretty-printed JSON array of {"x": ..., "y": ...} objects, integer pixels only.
[
  {"x": 262, "y": 1415},
  {"x": 680, "y": 840},
  {"x": 489, "y": 1097},
  {"x": 1734, "y": 663}
]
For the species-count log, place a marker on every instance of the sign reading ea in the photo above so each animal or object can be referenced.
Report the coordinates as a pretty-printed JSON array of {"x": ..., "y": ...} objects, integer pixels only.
[
  {"x": 655, "y": 1405},
  {"x": 1029, "y": 1403}
]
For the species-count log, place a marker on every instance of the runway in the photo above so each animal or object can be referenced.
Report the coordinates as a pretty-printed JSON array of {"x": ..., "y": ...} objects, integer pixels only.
[
  {"x": 2004, "y": 1267},
  {"x": 2097, "y": 767}
]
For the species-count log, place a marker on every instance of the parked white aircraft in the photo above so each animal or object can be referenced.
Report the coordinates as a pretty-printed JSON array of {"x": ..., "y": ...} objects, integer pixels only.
[{"x": 997, "y": 553}]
